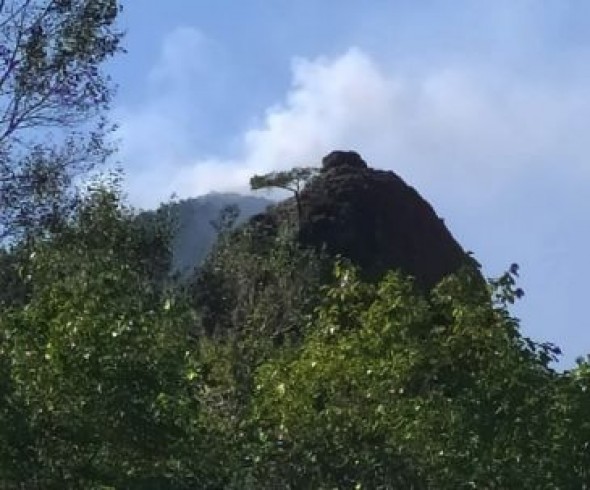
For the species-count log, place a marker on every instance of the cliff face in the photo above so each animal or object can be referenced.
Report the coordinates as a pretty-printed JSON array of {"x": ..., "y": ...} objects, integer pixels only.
[{"x": 377, "y": 221}]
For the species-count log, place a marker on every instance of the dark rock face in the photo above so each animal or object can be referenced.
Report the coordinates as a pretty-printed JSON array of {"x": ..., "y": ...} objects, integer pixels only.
[
  {"x": 376, "y": 220},
  {"x": 343, "y": 161}
]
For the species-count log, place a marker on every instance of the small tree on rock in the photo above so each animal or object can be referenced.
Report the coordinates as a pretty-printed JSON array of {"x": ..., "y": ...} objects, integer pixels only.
[{"x": 293, "y": 180}]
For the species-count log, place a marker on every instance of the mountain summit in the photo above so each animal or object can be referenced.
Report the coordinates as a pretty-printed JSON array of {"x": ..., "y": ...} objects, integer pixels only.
[{"x": 376, "y": 220}]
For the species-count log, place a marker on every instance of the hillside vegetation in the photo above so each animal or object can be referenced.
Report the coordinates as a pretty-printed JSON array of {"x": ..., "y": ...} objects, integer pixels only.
[{"x": 279, "y": 361}]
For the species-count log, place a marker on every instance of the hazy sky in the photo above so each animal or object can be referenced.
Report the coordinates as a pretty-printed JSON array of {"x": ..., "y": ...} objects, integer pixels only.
[{"x": 484, "y": 107}]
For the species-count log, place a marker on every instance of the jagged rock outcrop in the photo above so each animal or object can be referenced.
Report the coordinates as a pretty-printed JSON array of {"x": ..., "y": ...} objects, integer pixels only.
[{"x": 376, "y": 220}]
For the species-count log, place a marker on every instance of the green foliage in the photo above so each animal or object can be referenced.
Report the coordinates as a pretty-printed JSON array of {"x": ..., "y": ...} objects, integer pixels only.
[
  {"x": 257, "y": 282},
  {"x": 53, "y": 98},
  {"x": 254, "y": 294},
  {"x": 99, "y": 377},
  {"x": 293, "y": 180},
  {"x": 13, "y": 289},
  {"x": 392, "y": 390},
  {"x": 267, "y": 375}
]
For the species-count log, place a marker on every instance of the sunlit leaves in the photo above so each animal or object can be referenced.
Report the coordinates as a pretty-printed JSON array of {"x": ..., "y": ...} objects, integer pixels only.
[
  {"x": 97, "y": 386},
  {"x": 395, "y": 390}
]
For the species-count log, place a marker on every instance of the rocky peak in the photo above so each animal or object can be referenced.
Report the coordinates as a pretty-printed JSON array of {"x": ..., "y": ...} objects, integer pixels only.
[
  {"x": 377, "y": 221},
  {"x": 343, "y": 160}
]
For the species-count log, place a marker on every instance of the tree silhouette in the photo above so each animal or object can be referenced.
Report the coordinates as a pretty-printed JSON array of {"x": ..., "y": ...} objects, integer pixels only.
[{"x": 293, "y": 180}]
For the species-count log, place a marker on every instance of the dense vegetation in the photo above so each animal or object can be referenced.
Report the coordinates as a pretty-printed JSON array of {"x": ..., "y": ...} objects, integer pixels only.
[
  {"x": 115, "y": 377},
  {"x": 275, "y": 366}
]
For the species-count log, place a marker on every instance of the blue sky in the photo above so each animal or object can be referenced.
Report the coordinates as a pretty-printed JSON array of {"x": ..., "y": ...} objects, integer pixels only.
[{"x": 484, "y": 107}]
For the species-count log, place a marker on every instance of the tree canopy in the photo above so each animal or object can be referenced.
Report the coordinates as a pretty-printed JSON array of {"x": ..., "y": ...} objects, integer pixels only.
[
  {"x": 53, "y": 98},
  {"x": 110, "y": 381},
  {"x": 293, "y": 180}
]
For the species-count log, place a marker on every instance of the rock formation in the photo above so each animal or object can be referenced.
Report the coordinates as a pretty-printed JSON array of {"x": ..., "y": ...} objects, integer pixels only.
[{"x": 376, "y": 220}]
